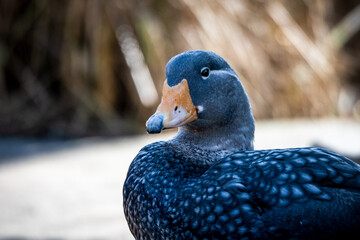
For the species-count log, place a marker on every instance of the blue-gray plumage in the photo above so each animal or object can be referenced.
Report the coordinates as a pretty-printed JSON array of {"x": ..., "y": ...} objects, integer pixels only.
[{"x": 208, "y": 182}]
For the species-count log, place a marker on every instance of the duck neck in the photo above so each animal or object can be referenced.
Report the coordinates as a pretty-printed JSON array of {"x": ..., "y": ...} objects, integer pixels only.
[{"x": 228, "y": 138}]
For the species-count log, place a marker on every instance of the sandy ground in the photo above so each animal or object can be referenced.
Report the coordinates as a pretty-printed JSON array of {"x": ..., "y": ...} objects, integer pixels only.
[{"x": 73, "y": 190}]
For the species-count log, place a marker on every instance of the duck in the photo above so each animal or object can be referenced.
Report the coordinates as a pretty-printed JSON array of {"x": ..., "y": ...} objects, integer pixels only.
[{"x": 208, "y": 182}]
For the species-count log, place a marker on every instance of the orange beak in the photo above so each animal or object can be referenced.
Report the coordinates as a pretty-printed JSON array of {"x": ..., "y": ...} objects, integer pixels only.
[{"x": 176, "y": 108}]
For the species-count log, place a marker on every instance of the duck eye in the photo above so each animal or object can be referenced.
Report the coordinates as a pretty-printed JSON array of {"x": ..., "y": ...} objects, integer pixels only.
[{"x": 205, "y": 72}]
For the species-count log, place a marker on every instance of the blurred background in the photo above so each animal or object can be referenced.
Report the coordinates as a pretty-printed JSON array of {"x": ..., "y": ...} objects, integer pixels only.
[{"x": 78, "y": 80}]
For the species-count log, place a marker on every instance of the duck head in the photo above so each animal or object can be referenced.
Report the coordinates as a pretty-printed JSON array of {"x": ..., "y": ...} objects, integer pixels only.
[{"x": 201, "y": 93}]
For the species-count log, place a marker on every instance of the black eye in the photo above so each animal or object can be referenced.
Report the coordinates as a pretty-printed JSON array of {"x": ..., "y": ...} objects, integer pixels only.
[{"x": 205, "y": 72}]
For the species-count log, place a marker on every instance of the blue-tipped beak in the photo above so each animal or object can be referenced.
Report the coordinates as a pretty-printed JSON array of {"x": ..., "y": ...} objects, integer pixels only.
[
  {"x": 176, "y": 108},
  {"x": 155, "y": 123}
]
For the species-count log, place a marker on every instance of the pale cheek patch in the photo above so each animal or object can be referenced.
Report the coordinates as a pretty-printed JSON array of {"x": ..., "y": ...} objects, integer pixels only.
[{"x": 199, "y": 108}]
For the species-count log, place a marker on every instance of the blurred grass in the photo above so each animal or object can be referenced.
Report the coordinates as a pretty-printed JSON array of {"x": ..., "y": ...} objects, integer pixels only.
[{"x": 64, "y": 71}]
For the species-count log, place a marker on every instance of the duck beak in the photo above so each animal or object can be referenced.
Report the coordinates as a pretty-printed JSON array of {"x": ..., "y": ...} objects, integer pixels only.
[{"x": 176, "y": 108}]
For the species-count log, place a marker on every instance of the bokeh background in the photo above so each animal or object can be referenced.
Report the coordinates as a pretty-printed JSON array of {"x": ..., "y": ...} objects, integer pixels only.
[{"x": 78, "y": 80}]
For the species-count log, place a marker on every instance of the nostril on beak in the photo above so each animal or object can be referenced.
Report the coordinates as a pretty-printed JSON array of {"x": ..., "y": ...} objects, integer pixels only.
[{"x": 176, "y": 107}]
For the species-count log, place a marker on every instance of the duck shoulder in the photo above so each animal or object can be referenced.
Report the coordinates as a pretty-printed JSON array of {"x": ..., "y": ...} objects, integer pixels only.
[{"x": 297, "y": 191}]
